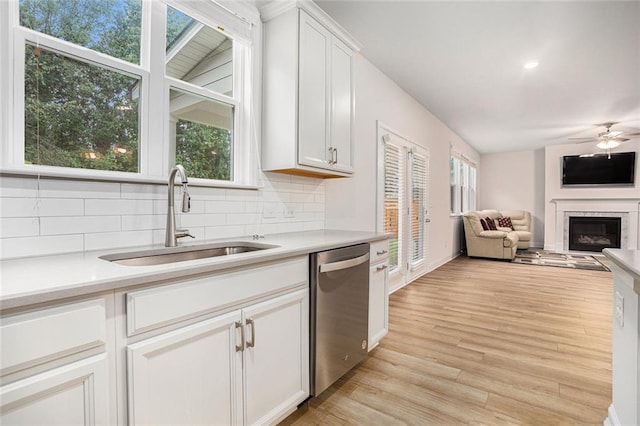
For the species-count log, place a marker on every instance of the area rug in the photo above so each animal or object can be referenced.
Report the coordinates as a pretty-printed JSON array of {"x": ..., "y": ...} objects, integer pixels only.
[{"x": 562, "y": 260}]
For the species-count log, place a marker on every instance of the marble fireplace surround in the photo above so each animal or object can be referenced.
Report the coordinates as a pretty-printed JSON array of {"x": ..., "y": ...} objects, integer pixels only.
[{"x": 626, "y": 209}]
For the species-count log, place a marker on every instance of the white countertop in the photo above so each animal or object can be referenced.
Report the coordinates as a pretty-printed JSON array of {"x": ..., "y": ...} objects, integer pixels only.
[
  {"x": 46, "y": 278},
  {"x": 629, "y": 260}
]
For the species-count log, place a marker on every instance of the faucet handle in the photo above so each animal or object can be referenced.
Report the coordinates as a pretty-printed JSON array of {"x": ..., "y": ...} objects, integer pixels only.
[{"x": 180, "y": 233}]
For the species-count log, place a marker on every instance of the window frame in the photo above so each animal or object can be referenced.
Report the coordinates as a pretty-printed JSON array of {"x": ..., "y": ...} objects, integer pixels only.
[
  {"x": 463, "y": 184},
  {"x": 155, "y": 158}
]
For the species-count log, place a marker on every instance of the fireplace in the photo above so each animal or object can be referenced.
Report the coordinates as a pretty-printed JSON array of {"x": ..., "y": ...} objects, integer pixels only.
[{"x": 594, "y": 233}]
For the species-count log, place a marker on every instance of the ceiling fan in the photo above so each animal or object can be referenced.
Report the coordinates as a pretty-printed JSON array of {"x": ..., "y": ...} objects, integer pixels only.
[{"x": 608, "y": 139}]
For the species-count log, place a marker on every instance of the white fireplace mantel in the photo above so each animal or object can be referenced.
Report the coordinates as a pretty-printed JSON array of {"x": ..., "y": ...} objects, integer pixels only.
[{"x": 627, "y": 208}]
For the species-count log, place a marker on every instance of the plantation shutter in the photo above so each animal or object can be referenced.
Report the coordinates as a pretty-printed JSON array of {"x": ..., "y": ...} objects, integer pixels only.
[
  {"x": 393, "y": 201},
  {"x": 418, "y": 206}
]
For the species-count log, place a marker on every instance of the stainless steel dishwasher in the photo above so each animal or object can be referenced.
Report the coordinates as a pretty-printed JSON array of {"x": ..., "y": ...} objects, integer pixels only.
[{"x": 339, "y": 313}]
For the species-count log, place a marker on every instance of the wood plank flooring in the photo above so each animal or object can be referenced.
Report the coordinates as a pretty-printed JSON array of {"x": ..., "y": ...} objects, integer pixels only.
[{"x": 483, "y": 342}]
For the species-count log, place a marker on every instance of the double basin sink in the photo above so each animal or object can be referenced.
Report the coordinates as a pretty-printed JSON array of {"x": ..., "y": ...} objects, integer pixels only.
[{"x": 180, "y": 254}]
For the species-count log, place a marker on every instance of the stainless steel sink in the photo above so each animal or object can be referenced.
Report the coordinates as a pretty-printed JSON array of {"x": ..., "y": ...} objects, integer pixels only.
[{"x": 180, "y": 254}]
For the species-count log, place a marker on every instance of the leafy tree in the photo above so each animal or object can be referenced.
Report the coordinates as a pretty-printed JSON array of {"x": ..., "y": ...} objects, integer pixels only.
[
  {"x": 76, "y": 114},
  {"x": 203, "y": 150}
]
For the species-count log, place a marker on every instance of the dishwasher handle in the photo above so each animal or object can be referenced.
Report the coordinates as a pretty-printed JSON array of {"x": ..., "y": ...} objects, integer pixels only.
[{"x": 344, "y": 264}]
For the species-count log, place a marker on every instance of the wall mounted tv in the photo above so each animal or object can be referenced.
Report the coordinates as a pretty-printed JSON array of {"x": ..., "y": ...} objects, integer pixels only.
[{"x": 600, "y": 169}]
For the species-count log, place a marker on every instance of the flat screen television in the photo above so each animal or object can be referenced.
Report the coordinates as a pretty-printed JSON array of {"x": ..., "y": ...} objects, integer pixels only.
[{"x": 600, "y": 169}]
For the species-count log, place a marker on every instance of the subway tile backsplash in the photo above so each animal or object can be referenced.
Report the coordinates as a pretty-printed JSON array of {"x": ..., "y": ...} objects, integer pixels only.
[{"x": 51, "y": 216}]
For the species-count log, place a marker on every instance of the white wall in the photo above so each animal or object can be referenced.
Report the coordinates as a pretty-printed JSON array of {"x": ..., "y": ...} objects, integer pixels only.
[
  {"x": 48, "y": 216},
  {"x": 351, "y": 202},
  {"x": 515, "y": 181}
]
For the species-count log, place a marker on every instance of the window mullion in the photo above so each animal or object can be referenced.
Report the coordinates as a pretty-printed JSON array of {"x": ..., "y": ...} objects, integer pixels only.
[
  {"x": 78, "y": 53},
  {"x": 155, "y": 145},
  {"x": 201, "y": 91}
]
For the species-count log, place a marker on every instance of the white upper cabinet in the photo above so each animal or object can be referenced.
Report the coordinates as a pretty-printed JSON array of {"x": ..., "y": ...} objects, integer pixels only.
[{"x": 308, "y": 94}]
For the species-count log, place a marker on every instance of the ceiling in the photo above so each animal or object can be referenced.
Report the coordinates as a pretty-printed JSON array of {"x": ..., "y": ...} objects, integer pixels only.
[{"x": 464, "y": 62}]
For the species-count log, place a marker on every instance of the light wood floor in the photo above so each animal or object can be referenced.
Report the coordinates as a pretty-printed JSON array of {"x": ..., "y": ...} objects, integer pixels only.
[{"x": 483, "y": 342}]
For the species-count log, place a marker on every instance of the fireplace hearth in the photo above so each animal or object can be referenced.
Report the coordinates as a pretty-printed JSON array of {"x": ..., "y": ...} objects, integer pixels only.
[{"x": 594, "y": 233}]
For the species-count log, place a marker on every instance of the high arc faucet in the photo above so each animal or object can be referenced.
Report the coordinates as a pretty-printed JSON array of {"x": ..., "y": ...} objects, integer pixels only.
[{"x": 172, "y": 234}]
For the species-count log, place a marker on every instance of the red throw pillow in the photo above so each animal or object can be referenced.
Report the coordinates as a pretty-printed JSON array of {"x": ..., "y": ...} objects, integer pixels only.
[
  {"x": 491, "y": 224},
  {"x": 505, "y": 222},
  {"x": 485, "y": 227}
]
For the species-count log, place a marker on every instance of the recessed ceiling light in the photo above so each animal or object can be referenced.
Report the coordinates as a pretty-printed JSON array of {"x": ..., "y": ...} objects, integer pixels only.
[{"x": 531, "y": 65}]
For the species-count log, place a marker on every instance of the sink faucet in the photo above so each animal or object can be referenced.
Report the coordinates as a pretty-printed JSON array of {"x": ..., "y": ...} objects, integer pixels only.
[{"x": 172, "y": 234}]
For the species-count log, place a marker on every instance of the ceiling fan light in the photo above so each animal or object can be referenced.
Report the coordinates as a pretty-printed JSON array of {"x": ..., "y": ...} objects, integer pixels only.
[
  {"x": 614, "y": 133},
  {"x": 607, "y": 144}
]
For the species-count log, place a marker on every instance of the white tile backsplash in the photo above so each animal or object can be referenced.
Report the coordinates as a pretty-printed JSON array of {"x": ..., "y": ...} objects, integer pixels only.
[
  {"x": 39, "y": 207},
  {"x": 79, "y": 224},
  {"x": 111, "y": 207},
  {"x": 19, "y": 226},
  {"x": 40, "y": 245},
  {"x": 107, "y": 240},
  {"x": 49, "y": 216},
  {"x": 62, "y": 188}
]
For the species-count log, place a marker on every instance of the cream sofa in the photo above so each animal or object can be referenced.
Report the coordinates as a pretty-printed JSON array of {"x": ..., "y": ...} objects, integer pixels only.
[{"x": 499, "y": 244}]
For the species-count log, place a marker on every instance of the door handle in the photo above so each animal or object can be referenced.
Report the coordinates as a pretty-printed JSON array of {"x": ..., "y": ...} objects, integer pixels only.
[
  {"x": 344, "y": 264},
  {"x": 240, "y": 347},
  {"x": 335, "y": 160},
  {"x": 252, "y": 343}
]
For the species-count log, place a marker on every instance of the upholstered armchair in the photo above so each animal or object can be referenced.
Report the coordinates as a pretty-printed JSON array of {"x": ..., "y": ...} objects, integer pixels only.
[
  {"x": 498, "y": 244},
  {"x": 521, "y": 221}
]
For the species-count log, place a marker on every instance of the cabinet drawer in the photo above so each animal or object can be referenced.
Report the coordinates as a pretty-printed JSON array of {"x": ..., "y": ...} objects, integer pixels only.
[
  {"x": 32, "y": 338},
  {"x": 160, "y": 306},
  {"x": 379, "y": 251}
]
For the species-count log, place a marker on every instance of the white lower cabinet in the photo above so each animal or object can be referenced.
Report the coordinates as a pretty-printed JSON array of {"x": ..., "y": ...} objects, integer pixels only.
[
  {"x": 249, "y": 366},
  {"x": 54, "y": 364},
  {"x": 378, "y": 293},
  {"x": 187, "y": 376},
  {"x": 276, "y": 363},
  {"x": 75, "y": 394}
]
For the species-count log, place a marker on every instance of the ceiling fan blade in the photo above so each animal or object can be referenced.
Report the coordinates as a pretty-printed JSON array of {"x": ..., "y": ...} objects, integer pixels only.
[{"x": 630, "y": 134}]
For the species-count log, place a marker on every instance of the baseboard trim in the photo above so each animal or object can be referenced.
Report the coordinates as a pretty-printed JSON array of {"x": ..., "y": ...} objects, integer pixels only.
[
  {"x": 430, "y": 268},
  {"x": 440, "y": 262},
  {"x": 612, "y": 417}
]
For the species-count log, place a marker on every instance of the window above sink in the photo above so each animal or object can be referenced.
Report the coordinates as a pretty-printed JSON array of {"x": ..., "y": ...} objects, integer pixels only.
[{"x": 129, "y": 89}]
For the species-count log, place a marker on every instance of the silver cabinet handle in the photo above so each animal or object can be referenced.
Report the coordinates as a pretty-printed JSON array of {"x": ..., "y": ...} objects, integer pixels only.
[
  {"x": 381, "y": 268},
  {"x": 380, "y": 253},
  {"x": 240, "y": 348},
  {"x": 252, "y": 343},
  {"x": 335, "y": 160},
  {"x": 344, "y": 264}
]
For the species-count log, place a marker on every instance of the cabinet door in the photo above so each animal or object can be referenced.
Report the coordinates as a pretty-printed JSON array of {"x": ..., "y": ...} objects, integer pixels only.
[
  {"x": 76, "y": 394},
  {"x": 313, "y": 96},
  {"x": 276, "y": 357},
  {"x": 188, "y": 376},
  {"x": 378, "y": 303},
  {"x": 341, "y": 105}
]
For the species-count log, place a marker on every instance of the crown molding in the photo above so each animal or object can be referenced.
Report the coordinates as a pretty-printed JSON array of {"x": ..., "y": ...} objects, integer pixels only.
[{"x": 277, "y": 7}]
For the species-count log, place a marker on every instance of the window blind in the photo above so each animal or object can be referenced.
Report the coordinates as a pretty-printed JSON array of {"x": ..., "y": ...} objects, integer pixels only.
[
  {"x": 393, "y": 200},
  {"x": 418, "y": 206}
]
